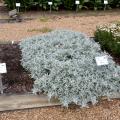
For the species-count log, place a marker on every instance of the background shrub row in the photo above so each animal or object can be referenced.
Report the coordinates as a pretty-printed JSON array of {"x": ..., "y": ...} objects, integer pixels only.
[{"x": 62, "y": 4}]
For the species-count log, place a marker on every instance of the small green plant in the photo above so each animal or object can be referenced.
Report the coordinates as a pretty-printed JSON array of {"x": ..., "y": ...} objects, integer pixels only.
[
  {"x": 42, "y": 30},
  {"x": 45, "y": 30},
  {"x": 108, "y": 37},
  {"x": 43, "y": 19}
]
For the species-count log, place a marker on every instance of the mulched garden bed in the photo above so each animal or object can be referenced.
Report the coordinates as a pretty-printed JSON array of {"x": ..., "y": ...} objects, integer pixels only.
[{"x": 17, "y": 80}]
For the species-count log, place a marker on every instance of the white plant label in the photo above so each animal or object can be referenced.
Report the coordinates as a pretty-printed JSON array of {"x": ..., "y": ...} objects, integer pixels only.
[
  {"x": 12, "y": 42},
  {"x": 49, "y": 3},
  {"x": 77, "y": 2},
  {"x": 103, "y": 60},
  {"x": 105, "y": 2},
  {"x": 3, "y": 68},
  {"x": 17, "y": 4}
]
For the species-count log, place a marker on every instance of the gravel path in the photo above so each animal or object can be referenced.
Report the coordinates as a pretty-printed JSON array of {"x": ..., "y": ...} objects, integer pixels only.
[
  {"x": 104, "y": 111},
  {"x": 83, "y": 23}
]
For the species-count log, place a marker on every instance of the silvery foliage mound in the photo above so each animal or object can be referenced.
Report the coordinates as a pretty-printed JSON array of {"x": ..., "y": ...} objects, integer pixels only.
[{"x": 63, "y": 66}]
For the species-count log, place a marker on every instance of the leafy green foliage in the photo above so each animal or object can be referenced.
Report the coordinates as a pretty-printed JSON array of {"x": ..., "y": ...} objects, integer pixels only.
[
  {"x": 62, "y": 63},
  {"x": 68, "y": 4},
  {"x": 109, "y": 38},
  {"x": 38, "y": 3}
]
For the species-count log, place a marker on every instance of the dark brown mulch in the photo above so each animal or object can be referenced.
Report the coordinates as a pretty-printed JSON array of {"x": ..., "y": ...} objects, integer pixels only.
[
  {"x": 16, "y": 80},
  {"x": 116, "y": 59}
]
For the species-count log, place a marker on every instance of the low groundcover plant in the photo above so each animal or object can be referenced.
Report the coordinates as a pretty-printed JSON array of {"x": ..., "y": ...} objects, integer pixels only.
[{"x": 63, "y": 65}]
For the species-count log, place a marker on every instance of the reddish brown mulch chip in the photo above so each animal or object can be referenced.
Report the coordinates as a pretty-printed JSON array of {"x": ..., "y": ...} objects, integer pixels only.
[{"x": 17, "y": 80}]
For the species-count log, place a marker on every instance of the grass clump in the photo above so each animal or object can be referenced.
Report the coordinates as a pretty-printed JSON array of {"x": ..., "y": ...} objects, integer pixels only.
[
  {"x": 42, "y": 30},
  {"x": 44, "y": 19}
]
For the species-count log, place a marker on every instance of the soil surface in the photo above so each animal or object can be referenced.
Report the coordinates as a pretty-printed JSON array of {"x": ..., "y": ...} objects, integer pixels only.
[{"x": 16, "y": 80}]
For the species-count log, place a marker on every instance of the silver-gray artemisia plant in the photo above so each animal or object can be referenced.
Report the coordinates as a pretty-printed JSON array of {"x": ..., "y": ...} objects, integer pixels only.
[{"x": 63, "y": 65}]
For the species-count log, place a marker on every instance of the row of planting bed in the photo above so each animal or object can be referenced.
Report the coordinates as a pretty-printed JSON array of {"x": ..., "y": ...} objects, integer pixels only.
[{"x": 60, "y": 64}]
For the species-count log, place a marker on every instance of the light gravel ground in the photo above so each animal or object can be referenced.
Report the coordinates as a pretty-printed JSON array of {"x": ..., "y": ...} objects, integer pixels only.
[
  {"x": 104, "y": 111},
  {"x": 83, "y": 23},
  {"x": 77, "y": 22}
]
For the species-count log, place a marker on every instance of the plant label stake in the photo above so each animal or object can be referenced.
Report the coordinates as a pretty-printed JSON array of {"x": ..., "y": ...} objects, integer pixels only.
[
  {"x": 12, "y": 42},
  {"x": 102, "y": 60},
  {"x": 105, "y": 3},
  {"x": 77, "y": 2},
  {"x": 50, "y": 4},
  {"x": 18, "y": 6},
  {"x": 2, "y": 70}
]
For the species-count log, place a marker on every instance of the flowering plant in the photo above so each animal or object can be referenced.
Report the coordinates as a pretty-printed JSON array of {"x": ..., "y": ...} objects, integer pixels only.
[
  {"x": 108, "y": 36},
  {"x": 114, "y": 28}
]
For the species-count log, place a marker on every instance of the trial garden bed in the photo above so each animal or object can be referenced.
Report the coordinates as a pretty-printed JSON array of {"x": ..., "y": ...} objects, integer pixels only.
[
  {"x": 18, "y": 84},
  {"x": 17, "y": 80},
  {"x": 66, "y": 64},
  {"x": 17, "y": 94}
]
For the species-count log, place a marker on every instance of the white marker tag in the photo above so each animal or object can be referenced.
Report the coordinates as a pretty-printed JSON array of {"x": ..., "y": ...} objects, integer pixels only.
[
  {"x": 3, "y": 68},
  {"x": 101, "y": 60},
  {"x": 77, "y": 2},
  {"x": 105, "y": 2},
  {"x": 12, "y": 42},
  {"x": 50, "y": 3},
  {"x": 17, "y": 4}
]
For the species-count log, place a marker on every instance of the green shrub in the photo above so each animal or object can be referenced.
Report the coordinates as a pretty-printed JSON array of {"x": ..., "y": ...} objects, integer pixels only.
[
  {"x": 109, "y": 38},
  {"x": 38, "y": 3},
  {"x": 63, "y": 65},
  {"x": 68, "y": 4},
  {"x": 24, "y": 3},
  {"x": 114, "y": 3}
]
